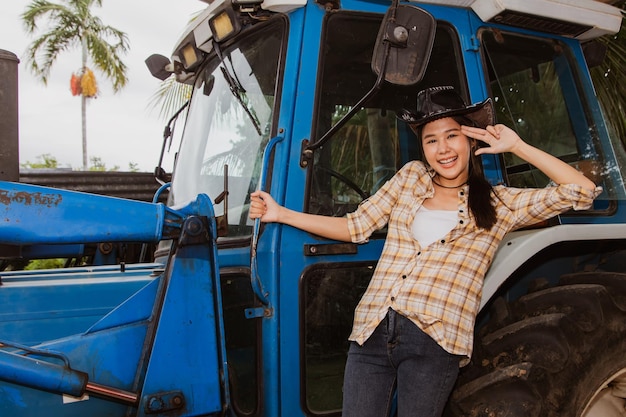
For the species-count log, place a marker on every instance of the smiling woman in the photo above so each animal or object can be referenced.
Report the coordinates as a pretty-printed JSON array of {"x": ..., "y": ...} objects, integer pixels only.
[{"x": 425, "y": 290}]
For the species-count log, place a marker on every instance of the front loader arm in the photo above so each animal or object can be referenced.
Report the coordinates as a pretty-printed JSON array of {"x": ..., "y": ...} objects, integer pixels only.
[
  {"x": 32, "y": 215},
  {"x": 161, "y": 353}
]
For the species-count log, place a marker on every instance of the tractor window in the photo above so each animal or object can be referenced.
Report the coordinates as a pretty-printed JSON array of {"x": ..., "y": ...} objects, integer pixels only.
[
  {"x": 537, "y": 92},
  {"x": 242, "y": 335},
  {"x": 374, "y": 144},
  {"x": 230, "y": 120},
  {"x": 329, "y": 294}
]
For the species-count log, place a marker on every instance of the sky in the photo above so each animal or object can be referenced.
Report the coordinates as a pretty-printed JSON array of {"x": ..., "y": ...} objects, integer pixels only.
[{"x": 122, "y": 127}]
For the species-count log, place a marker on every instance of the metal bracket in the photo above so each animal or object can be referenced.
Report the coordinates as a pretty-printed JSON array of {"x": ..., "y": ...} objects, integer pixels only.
[
  {"x": 306, "y": 154},
  {"x": 165, "y": 401},
  {"x": 195, "y": 231},
  {"x": 472, "y": 43},
  {"x": 258, "y": 312}
]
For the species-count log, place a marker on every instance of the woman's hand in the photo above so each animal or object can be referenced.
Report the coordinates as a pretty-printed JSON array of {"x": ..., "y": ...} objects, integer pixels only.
[
  {"x": 263, "y": 206},
  {"x": 499, "y": 138}
]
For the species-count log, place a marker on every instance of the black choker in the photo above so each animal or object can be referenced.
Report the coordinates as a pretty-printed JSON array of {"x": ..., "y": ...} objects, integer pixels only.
[{"x": 450, "y": 188}]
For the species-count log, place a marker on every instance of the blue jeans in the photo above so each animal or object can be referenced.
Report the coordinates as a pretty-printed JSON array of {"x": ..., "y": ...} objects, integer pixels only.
[{"x": 398, "y": 355}]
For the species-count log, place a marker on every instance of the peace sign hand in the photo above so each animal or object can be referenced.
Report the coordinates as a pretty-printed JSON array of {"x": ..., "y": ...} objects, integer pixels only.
[{"x": 499, "y": 138}]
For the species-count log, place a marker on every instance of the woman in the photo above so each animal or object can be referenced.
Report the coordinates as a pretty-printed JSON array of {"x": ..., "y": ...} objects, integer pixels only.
[{"x": 414, "y": 325}]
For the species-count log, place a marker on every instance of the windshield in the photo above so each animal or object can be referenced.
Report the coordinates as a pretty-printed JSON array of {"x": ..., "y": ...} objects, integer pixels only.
[{"x": 228, "y": 125}]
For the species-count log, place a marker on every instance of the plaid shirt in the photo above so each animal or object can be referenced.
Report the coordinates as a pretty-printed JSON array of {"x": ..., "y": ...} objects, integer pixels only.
[{"x": 439, "y": 286}]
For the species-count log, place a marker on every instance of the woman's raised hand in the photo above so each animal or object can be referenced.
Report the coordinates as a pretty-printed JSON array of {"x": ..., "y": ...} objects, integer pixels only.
[{"x": 499, "y": 138}]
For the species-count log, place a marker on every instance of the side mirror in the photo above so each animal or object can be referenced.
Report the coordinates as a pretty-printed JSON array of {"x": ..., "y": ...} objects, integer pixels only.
[
  {"x": 594, "y": 52},
  {"x": 158, "y": 66},
  {"x": 410, "y": 33},
  {"x": 401, "y": 54}
]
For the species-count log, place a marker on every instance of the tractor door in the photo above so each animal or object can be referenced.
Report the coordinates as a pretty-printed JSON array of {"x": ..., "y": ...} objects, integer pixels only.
[{"x": 351, "y": 166}]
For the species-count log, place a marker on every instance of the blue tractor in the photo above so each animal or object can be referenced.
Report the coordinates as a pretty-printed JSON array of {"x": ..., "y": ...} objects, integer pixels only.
[{"x": 299, "y": 98}]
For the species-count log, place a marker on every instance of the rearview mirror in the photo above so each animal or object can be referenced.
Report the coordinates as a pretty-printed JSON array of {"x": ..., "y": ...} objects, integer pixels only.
[
  {"x": 158, "y": 66},
  {"x": 410, "y": 33}
]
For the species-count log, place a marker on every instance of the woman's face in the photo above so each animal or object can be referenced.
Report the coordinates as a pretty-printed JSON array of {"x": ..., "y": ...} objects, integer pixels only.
[{"x": 447, "y": 150}]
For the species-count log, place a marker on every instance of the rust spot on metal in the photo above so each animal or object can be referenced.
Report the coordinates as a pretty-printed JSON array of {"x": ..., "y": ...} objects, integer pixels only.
[{"x": 27, "y": 199}]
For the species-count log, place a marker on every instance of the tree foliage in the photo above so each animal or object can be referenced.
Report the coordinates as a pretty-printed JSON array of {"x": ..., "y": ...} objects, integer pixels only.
[
  {"x": 45, "y": 161},
  {"x": 71, "y": 24},
  {"x": 97, "y": 164},
  {"x": 608, "y": 79},
  {"x": 48, "y": 161}
]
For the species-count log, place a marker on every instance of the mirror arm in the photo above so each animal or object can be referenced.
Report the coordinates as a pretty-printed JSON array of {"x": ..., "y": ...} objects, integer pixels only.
[
  {"x": 307, "y": 153},
  {"x": 159, "y": 173}
]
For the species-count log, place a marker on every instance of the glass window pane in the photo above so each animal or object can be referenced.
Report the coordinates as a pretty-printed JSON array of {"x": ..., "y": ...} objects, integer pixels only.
[
  {"x": 242, "y": 335},
  {"x": 373, "y": 144},
  {"x": 536, "y": 92},
  {"x": 229, "y": 123},
  {"x": 330, "y": 296}
]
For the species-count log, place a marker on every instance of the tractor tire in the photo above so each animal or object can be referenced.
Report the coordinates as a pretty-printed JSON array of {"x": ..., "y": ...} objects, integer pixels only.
[{"x": 557, "y": 351}]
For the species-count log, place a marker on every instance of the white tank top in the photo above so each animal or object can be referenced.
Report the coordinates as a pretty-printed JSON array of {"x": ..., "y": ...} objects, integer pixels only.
[{"x": 431, "y": 225}]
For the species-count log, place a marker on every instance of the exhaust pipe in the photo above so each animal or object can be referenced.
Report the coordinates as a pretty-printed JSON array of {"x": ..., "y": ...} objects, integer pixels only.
[{"x": 9, "y": 137}]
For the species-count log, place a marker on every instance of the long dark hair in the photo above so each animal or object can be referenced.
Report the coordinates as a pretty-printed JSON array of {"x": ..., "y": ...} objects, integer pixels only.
[{"x": 479, "y": 199}]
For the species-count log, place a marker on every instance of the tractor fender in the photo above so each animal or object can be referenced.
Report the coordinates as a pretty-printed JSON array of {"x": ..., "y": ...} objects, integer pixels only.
[{"x": 518, "y": 247}]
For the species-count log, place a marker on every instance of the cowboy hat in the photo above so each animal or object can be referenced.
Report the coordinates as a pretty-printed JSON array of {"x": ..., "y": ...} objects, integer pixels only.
[{"x": 439, "y": 102}]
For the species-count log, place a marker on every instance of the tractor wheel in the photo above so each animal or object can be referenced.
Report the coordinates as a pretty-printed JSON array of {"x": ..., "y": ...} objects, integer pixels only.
[{"x": 558, "y": 351}]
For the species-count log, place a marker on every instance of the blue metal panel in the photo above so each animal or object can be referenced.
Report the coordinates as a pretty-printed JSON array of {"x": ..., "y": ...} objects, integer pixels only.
[
  {"x": 166, "y": 341},
  {"x": 187, "y": 372},
  {"x": 109, "y": 354},
  {"x": 36, "y": 215},
  {"x": 281, "y": 379},
  {"x": 49, "y": 304},
  {"x": 296, "y": 89}
]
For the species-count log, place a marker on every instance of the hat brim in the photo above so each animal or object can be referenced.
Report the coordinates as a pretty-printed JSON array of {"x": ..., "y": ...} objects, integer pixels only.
[{"x": 481, "y": 114}]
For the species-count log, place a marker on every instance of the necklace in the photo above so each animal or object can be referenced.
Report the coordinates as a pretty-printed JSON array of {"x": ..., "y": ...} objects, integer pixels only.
[{"x": 450, "y": 188}]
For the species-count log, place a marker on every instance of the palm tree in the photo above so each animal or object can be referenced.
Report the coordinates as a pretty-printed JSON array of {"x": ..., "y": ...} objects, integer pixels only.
[{"x": 72, "y": 24}]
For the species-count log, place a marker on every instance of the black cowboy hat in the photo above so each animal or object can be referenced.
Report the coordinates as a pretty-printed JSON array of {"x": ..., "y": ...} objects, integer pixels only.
[{"x": 439, "y": 102}]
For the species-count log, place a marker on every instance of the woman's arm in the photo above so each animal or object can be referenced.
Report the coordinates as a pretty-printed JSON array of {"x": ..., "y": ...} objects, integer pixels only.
[
  {"x": 501, "y": 139},
  {"x": 263, "y": 206}
]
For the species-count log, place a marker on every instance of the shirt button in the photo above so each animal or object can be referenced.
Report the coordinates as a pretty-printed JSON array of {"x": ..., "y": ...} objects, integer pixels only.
[
  {"x": 462, "y": 192},
  {"x": 393, "y": 298},
  {"x": 403, "y": 276},
  {"x": 419, "y": 253},
  {"x": 461, "y": 221},
  {"x": 443, "y": 241}
]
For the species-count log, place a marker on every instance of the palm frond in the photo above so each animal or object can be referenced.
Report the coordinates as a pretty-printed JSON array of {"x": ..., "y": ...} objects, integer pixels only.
[
  {"x": 170, "y": 96},
  {"x": 44, "y": 50},
  {"x": 106, "y": 58}
]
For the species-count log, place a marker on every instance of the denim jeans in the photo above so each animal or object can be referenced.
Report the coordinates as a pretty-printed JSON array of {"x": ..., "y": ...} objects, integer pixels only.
[{"x": 398, "y": 355}]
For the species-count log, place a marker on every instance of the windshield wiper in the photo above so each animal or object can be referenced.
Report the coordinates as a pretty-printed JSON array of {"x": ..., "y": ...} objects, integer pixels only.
[{"x": 237, "y": 89}]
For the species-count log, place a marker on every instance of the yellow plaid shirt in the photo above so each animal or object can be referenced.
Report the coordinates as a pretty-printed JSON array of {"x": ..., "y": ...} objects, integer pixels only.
[{"x": 439, "y": 286}]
